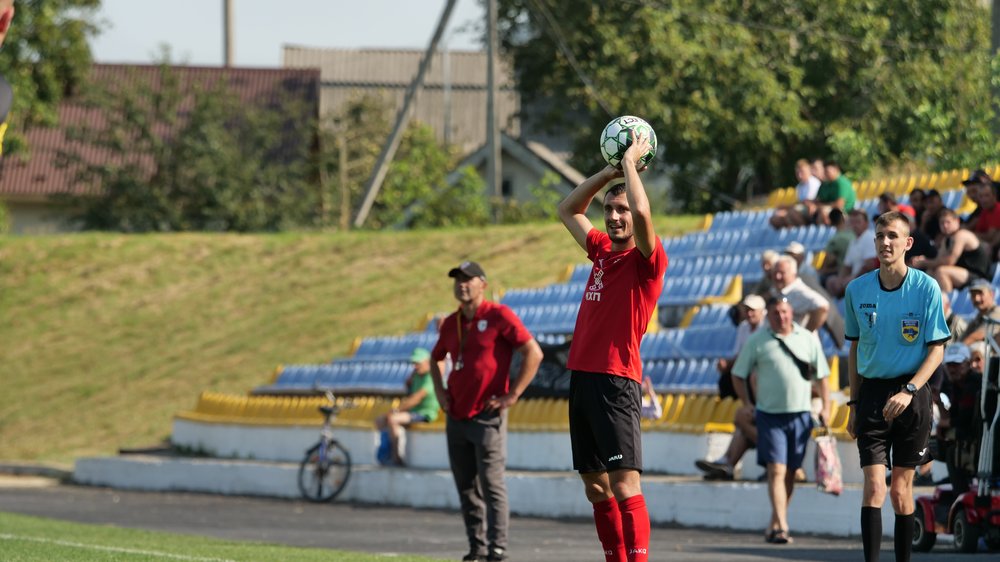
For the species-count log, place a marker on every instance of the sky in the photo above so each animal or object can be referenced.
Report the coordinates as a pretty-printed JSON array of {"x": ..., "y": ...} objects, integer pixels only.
[{"x": 134, "y": 30}]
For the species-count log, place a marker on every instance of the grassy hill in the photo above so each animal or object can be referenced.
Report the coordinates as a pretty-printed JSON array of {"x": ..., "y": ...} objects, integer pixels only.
[{"x": 106, "y": 336}]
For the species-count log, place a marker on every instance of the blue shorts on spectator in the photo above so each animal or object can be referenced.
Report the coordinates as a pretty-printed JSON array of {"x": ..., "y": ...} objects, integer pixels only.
[{"x": 782, "y": 438}]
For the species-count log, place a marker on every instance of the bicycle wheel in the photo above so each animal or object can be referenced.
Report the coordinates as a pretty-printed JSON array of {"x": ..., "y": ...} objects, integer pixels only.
[{"x": 322, "y": 477}]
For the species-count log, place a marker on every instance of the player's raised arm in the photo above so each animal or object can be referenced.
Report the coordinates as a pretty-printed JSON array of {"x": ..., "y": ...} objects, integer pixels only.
[
  {"x": 642, "y": 220},
  {"x": 573, "y": 209}
]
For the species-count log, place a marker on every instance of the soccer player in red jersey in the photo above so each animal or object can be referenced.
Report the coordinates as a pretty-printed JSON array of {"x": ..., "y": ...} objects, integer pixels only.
[{"x": 605, "y": 388}]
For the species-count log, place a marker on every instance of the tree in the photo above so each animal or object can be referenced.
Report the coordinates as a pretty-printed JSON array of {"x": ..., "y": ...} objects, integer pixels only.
[
  {"x": 742, "y": 89},
  {"x": 45, "y": 57},
  {"x": 416, "y": 192},
  {"x": 228, "y": 165}
]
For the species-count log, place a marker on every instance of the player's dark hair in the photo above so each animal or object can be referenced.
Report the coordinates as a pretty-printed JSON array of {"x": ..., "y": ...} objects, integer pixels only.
[
  {"x": 885, "y": 219},
  {"x": 615, "y": 190},
  {"x": 836, "y": 217}
]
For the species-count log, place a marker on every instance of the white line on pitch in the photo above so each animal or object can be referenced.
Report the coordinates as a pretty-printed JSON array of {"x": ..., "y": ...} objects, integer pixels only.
[{"x": 111, "y": 548}]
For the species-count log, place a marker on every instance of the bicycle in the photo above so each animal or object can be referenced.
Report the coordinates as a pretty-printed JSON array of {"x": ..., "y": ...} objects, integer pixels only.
[{"x": 326, "y": 468}]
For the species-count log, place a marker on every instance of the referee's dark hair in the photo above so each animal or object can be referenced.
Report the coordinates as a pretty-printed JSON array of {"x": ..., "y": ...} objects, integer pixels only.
[{"x": 885, "y": 219}]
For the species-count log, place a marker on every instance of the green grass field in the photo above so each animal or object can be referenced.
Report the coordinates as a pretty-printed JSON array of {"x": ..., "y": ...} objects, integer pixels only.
[
  {"x": 107, "y": 336},
  {"x": 30, "y": 539}
]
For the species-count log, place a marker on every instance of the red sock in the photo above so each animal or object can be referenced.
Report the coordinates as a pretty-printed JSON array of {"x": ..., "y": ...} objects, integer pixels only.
[
  {"x": 609, "y": 530},
  {"x": 635, "y": 528}
]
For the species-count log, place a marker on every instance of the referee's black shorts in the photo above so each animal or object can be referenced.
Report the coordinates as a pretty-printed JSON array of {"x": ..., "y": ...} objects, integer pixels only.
[
  {"x": 604, "y": 413},
  {"x": 905, "y": 438}
]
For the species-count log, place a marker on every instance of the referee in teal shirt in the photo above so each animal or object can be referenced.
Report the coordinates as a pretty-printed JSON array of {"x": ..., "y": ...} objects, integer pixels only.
[{"x": 896, "y": 325}]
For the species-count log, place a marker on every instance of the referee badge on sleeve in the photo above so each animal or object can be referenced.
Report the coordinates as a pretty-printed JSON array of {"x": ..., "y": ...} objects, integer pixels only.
[{"x": 910, "y": 328}]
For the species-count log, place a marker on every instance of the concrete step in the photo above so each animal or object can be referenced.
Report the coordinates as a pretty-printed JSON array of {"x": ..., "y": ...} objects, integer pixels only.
[{"x": 682, "y": 500}]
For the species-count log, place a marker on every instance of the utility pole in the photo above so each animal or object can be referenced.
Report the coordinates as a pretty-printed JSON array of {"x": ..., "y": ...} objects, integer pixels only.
[
  {"x": 494, "y": 173},
  {"x": 227, "y": 33},
  {"x": 389, "y": 149},
  {"x": 345, "y": 192}
]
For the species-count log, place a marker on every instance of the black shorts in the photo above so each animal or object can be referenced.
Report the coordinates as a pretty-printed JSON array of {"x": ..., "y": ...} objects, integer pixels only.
[
  {"x": 604, "y": 422},
  {"x": 906, "y": 437}
]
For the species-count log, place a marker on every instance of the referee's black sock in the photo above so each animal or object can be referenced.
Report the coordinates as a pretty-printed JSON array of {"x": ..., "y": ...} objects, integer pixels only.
[
  {"x": 871, "y": 532},
  {"x": 904, "y": 537}
]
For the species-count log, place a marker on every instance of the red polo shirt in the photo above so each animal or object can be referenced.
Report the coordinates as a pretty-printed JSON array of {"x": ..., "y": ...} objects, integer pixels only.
[
  {"x": 618, "y": 301},
  {"x": 988, "y": 220},
  {"x": 486, "y": 344}
]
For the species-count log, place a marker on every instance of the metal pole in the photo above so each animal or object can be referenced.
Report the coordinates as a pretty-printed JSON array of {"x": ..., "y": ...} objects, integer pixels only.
[
  {"x": 494, "y": 175},
  {"x": 345, "y": 192},
  {"x": 227, "y": 33},
  {"x": 446, "y": 77},
  {"x": 389, "y": 149}
]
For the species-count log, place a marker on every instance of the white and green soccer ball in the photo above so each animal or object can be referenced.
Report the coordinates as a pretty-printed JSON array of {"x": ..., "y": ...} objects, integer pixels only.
[{"x": 615, "y": 139}]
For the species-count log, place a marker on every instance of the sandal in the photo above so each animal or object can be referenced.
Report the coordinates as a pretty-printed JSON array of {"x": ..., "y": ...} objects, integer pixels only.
[{"x": 778, "y": 536}]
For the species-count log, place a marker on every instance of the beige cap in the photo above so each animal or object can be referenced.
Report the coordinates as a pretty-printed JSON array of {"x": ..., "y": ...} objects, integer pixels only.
[
  {"x": 795, "y": 248},
  {"x": 754, "y": 302}
]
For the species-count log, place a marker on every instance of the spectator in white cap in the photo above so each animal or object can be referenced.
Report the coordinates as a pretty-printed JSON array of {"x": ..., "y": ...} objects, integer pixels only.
[
  {"x": 745, "y": 434},
  {"x": 767, "y": 260},
  {"x": 753, "y": 311},
  {"x": 798, "y": 251},
  {"x": 811, "y": 308},
  {"x": 981, "y": 295}
]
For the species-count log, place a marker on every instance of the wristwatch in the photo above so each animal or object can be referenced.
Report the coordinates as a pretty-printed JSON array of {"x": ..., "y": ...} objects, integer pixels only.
[{"x": 910, "y": 388}]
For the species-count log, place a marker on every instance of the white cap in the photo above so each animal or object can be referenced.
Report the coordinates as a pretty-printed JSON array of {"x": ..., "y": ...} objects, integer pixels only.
[
  {"x": 957, "y": 353},
  {"x": 754, "y": 302},
  {"x": 795, "y": 248}
]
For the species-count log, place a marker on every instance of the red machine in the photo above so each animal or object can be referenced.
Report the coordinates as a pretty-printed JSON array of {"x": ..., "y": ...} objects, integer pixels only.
[{"x": 973, "y": 513}]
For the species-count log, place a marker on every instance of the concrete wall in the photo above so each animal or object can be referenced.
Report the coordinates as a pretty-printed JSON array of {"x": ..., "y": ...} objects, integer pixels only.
[
  {"x": 734, "y": 505},
  {"x": 663, "y": 452}
]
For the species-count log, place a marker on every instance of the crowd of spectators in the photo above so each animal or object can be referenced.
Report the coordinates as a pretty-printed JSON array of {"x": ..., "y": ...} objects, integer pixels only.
[{"x": 959, "y": 252}]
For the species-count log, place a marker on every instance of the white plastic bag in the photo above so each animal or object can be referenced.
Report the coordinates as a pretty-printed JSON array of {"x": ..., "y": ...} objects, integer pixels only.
[{"x": 829, "y": 475}]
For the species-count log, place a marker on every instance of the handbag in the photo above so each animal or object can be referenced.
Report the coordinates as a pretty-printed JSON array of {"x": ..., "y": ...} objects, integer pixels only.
[
  {"x": 806, "y": 369},
  {"x": 829, "y": 474}
]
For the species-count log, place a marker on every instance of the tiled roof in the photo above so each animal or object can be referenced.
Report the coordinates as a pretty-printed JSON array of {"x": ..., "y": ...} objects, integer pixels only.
[{"x": 36, "y": 175}]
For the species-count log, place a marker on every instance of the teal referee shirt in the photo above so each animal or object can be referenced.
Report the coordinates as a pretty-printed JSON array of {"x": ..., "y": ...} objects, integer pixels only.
[{"x": 893, "y": 327}]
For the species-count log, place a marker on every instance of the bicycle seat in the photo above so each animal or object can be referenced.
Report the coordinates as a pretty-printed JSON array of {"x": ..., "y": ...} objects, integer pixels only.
[{"x": 328, "y": 410}]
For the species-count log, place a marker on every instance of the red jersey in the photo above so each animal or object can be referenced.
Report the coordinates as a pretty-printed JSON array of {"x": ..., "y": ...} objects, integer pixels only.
[
  {"x": 988, "y": 220},
  {"x": 481, "y": 350},
  {"x": 617, "y": 304}
]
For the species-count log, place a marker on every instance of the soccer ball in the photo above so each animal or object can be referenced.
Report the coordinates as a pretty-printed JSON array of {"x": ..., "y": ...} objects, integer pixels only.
[{"x": 615, "y": 139}]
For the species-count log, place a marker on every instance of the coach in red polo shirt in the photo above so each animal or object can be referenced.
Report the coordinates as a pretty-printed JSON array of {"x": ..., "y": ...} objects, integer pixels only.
[{"x": 481, "y": 337}]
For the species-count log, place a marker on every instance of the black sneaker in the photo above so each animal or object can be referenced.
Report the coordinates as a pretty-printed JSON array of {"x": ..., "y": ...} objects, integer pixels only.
[
  {"x": 473, "y": 556},
  {"x": 715, "y": 470},
  {"x": 496, "y": 554}
]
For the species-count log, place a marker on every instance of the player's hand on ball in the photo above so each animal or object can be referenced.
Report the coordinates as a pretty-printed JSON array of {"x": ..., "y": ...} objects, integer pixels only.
[
  {"x": 640, "y": 146},
  {"x": 613, "y": 173}
]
